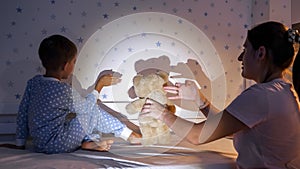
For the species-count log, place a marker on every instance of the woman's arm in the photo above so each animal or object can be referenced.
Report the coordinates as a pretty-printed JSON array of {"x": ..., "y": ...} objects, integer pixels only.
[{"x": 216, "y": 126}]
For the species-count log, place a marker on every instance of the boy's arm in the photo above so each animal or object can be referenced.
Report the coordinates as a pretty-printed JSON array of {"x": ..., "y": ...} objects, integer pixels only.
[
  {"x": 22, "y": 120},
  {"x": 106, "y": 78},
  {"x": 120, "y": 117},
  {"x": 110, "y": 124}
]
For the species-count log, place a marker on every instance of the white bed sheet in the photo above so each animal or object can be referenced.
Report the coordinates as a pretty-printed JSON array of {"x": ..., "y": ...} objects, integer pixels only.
[{"x": 219, "y": 154}]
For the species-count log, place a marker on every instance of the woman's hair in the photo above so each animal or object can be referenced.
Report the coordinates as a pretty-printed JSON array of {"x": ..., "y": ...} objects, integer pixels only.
[
  {"x": 279, "y": 42},
  {"x": 55, "y": 51}
]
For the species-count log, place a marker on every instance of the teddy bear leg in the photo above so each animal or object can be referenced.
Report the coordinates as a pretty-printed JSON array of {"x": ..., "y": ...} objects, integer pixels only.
[
  {"x": 147, "y": 135},
  {"x": 164, "y": 134}
]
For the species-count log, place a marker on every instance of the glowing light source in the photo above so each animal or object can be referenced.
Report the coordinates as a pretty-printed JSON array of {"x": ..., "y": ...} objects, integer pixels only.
[{"x": 136, "y": 42}]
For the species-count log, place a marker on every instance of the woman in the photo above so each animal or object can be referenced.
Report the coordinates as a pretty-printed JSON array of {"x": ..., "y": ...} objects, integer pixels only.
[{"x": 265, "y": 118}]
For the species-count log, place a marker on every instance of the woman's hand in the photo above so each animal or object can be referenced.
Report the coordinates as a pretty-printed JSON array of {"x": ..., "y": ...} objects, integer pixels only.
[
  {"x": 153, "y": 109},
  {"x": 185, "y": 91},
  {"x": 107, "y": 78}
]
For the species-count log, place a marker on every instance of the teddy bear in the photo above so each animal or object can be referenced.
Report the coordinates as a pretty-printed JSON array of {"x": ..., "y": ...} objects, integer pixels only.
[{"x": 151, "y": 85}]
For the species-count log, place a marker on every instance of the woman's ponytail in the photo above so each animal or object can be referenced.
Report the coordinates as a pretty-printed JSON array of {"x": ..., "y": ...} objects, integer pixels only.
[
  {"x": 296, "y": 73},
  {"x": 294, "y": 37}
]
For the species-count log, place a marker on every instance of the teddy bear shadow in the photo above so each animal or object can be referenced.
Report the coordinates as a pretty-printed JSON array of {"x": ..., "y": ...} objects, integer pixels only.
[
  {"x": 152, "y": 75},
  {"x": 191, "y": 69}
]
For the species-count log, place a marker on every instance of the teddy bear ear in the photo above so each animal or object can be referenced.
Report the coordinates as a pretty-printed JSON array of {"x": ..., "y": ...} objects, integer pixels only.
[
  {"x": 137, "y": 79},
  {"x": 164, "y": 75}
]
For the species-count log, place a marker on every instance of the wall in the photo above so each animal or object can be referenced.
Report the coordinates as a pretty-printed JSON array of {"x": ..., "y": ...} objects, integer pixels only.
[
  {"x": 210, "y": 32},
  {"x": 295, "y": 11}
]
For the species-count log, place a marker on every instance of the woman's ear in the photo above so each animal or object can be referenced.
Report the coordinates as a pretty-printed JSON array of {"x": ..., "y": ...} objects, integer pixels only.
[{"x": 261, "y": 52}]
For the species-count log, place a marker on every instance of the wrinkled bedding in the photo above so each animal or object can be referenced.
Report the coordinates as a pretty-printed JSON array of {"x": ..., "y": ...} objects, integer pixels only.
[{"x": 216, "y": 155}]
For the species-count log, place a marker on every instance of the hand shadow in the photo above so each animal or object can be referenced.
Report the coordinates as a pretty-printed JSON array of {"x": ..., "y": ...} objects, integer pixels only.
[{"x": 189, "y": 70}]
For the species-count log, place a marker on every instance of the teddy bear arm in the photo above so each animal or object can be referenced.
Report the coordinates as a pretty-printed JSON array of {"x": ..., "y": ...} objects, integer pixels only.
[{"x": 135, "y": 106}]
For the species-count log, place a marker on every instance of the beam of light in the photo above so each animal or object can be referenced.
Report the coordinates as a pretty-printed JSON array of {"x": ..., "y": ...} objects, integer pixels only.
[{"x": 149, "y": 40}]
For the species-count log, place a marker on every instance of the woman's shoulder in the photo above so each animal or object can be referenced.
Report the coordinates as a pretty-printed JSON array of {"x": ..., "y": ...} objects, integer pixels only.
[
  {"x": 261, "y": 90},
  {"x": 274, "y": 85},
  {"x": 276, "y": 88}
]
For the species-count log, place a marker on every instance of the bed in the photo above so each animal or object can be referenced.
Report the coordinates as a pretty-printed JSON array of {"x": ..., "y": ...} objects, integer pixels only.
[{"x": 219, "y": 154}]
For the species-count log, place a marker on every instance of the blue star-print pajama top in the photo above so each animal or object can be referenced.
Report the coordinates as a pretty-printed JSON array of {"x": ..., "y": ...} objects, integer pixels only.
[{"x": 44, "y": 115}]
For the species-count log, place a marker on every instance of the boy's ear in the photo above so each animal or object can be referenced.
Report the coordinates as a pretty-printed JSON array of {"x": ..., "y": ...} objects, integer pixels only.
[{"x": 65, "y": 67}]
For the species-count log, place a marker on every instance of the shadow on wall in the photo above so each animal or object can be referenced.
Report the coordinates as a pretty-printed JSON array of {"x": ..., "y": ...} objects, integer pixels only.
[{"x": 189, "y": 70}]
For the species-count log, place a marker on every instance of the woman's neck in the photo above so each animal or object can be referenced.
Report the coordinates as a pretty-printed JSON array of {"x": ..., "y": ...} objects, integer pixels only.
[{"x": 271, "y": 76}]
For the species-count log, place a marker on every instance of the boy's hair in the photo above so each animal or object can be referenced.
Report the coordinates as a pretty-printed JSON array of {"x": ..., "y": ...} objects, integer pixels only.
[{"x": 55, "y": 51}]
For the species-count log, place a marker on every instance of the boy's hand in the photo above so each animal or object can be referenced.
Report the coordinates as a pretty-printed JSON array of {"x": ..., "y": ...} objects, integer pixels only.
[{"x": 107, "y": 78}]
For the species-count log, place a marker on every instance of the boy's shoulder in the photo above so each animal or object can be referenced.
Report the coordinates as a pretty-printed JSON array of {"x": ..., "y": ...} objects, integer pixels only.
[
  {"x": 48, "y": 84},
  {"x": 35, "y": 78},
  {"x": 40, "y": 79}
]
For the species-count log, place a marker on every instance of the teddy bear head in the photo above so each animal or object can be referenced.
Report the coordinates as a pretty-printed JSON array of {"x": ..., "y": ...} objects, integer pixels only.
[{"x": 148, "y": 86}]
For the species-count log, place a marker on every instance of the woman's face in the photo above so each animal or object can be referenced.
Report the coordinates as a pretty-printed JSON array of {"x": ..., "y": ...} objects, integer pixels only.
[{"x": 249, "y": 64}]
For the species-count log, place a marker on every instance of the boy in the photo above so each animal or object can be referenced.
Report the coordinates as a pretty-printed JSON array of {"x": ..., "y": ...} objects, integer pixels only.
[{"x": 56, "y": 117}]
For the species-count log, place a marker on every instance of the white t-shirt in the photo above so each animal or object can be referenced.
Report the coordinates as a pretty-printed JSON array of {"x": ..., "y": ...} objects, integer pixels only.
[{"x": 271, "y": 111}]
